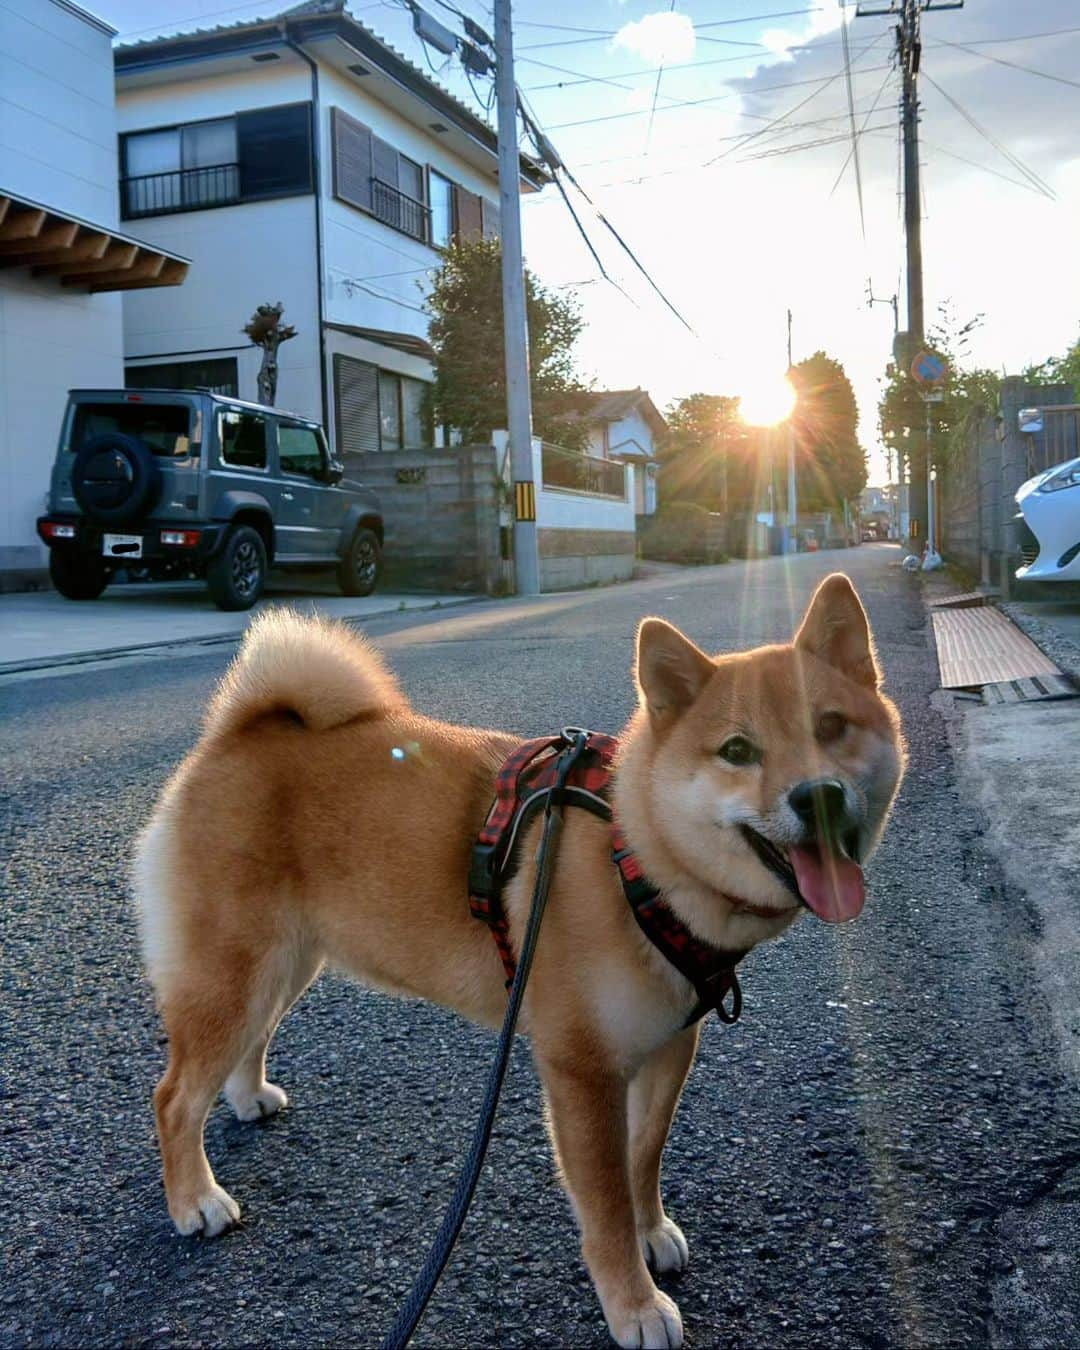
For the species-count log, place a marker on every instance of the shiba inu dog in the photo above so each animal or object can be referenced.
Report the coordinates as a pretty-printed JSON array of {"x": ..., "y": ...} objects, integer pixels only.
[{"x": 320, "y": 818}]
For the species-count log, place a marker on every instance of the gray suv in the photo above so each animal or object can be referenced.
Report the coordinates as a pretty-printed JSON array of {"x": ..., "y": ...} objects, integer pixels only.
[{"x": 181, "y": 483}]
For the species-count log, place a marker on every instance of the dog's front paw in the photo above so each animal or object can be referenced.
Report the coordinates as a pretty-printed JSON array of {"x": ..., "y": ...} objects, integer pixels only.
[
  {"x": 209, "y": 1214},
  {"x": 267, "y": 1101},
  {"x": 652, "y": 1326},
  {"x": 664, "y": 1247}
]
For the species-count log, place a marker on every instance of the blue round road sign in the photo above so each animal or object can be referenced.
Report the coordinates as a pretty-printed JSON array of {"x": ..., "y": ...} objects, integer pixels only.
[{"x": 928, "y": 368}]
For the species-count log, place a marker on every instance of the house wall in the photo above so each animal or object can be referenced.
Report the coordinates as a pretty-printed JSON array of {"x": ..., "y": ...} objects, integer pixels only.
[
  {"x": 377, "y": 277},
  {"x": 57, "y": 147},
  {"x": 584, "y": 539},
  {"x": 630, "y": 433},
  {"x": 241, "y": 256}
]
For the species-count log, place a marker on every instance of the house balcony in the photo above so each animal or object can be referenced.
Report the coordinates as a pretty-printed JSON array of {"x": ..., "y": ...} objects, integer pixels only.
[
  {"x": 573, "y": 472},
  {"x": 400, "y": 211},
  {"x": 159, "y": 194}
]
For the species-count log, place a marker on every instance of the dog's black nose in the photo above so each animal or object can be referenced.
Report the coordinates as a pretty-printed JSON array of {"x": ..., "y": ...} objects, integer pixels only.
[{"x": 820, "y": 805}]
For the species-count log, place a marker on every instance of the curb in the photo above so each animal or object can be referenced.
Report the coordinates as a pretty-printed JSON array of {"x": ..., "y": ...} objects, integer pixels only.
[{"x": 218, "y": 640}]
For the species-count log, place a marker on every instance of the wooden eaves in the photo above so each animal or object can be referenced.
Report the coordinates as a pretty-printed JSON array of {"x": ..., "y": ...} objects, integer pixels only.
[{"x": 82, "y": 256}]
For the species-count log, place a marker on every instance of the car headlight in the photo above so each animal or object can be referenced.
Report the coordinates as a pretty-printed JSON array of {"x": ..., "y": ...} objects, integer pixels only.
[{"x": 1065, "y": 477}]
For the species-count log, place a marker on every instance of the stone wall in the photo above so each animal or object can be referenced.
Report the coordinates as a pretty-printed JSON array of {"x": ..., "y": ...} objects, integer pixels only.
[
  {"x": 442, "y": 514},
  {"x": 573, "y": 558},
  {"x": 978, "y": 484}
]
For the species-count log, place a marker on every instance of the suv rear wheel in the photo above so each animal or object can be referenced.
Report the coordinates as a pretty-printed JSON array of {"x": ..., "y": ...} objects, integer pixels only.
[
  {"x": 237, "y": 574},
  {"x": 358, "y": 571},
  {"x": 77, "y": 576}
]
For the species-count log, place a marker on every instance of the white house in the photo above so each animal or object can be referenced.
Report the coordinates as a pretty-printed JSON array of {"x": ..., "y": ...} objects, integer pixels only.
[
  {"x": 63, "y": 255},
  {"x": 625, "y": 425},
  {"x": 299, "y": 159}
]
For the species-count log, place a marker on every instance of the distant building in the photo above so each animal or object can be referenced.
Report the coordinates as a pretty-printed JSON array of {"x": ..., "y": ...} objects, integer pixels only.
[
  {"x": 625, "y": 425},
  {"x": 63, "y": 256},
  {"x": 300, "y": 159}
]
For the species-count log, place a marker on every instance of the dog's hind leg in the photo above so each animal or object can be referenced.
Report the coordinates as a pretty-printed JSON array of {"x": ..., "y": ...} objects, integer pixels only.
[
  {"x": 653, "y": 1097},
  {"x": 588, "y": 1124},
  {"x": 246, "y": 1088},
  {"x": 214, "y": 1012}
]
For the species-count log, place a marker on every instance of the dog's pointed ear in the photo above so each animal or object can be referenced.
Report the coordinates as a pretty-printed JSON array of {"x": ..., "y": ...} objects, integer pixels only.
[
  {"x": 835, "y": 629},
  {"x": 671, "y": 671}
]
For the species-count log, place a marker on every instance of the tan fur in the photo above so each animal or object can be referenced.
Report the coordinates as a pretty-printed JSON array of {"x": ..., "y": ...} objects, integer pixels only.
[{"x": 321, "y": 818}]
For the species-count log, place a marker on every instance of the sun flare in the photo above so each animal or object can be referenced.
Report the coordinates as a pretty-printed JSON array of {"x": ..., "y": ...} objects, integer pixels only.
[{"x": 766, "y": 401}]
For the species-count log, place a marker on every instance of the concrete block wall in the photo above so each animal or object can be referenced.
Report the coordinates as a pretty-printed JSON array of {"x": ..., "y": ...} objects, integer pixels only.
[
  {"x": 585, "y": 539},
  {"x": 441, "y": 513}
]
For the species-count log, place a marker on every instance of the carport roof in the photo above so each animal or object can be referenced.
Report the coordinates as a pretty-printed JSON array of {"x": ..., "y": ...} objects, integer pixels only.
[{"x": 81, "y": 255}]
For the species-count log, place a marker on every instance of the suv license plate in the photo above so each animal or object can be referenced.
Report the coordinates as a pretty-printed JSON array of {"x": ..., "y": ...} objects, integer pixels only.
[{"x": 122, "y": 546}]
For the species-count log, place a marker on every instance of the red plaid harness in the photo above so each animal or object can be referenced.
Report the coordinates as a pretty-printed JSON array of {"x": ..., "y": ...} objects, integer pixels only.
[{"x": 523, "y": 786}]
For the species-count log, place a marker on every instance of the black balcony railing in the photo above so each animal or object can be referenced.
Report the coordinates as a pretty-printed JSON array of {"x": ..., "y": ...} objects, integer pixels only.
[
  {"x": 158, "y": 194},
  {"x": 396, "y": 208},
  {"x": 582, "y": 473}
]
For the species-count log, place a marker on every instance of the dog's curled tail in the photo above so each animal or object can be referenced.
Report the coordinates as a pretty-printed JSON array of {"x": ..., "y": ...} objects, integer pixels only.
[{"x": 320, "y": 672}]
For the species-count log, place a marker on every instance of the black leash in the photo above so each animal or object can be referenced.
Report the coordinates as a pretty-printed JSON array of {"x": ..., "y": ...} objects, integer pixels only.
[{"x": 417, "y": 1298}]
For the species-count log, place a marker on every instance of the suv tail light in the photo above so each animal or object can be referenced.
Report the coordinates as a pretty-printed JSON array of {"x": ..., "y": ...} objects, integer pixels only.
[
  {"x": 53, "y": 529},
  {"x": 181, "y": 538}
]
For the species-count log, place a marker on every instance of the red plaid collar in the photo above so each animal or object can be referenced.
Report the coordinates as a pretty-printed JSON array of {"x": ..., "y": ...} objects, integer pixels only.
[{"x": 521, "y": 788}]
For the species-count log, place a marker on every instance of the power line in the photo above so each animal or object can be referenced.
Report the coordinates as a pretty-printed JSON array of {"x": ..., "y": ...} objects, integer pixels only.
[
  {"x": 1014, "y": 160},
  {"x": 877, "y": 97},
  {"x": 656, "y": 93},
  {"x": 718, "y": 98},
  {"x": 600, "y": 34},
  {"x": 851, "y": 118},
  {"x": 822, "y": 85},
  {"x": 1013, "y": 65}
]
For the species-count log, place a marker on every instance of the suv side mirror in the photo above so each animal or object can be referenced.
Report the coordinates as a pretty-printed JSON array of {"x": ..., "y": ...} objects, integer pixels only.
[{"x": 334, "y": 471}]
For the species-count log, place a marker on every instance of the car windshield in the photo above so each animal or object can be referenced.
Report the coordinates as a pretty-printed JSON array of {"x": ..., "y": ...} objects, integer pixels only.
[{"x": 164, "y": 427}]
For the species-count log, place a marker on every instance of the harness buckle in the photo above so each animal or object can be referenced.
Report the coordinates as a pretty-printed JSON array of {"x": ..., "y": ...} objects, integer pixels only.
[{"x": 482, "y": 883}]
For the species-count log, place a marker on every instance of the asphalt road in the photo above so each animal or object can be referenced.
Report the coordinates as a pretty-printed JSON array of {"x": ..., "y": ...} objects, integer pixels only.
[{"x": 849, "y": 1161}]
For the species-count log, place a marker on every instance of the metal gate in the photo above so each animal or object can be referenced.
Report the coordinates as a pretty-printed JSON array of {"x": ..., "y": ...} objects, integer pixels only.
[{"x": 1058, "y": 441}]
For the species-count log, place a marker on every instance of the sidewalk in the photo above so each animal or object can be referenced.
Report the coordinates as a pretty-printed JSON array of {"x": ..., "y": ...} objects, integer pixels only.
[{"x": 41, "y": 629}]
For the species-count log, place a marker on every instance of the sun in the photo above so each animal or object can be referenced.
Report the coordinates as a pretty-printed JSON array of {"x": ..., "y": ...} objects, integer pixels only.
[{"x": 766, "y": 400}]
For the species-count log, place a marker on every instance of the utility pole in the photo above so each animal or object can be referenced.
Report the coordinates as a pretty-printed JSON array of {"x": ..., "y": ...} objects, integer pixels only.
[
  {"x": 792, "y": 501},
  {"x": 515, "y": 318},
  {"x": 908, "y": 55}
]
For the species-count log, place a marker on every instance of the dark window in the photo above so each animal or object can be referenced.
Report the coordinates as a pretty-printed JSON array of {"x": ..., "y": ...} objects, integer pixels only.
[
  {"x": 257, "y": 154},
  {"x": 378, "y": 409},
  {"x": 217, "y": 374},
  {"x": 274, "y": 151},
  {"x": 356, "y": 406},
  {"x": 299, "y": 450},
  {"x": 165, "y": 427},
  {"x": 242, "y": 436}
]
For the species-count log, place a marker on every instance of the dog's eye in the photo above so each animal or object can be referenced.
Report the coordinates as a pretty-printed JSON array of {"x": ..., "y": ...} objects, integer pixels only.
[
  {"x": 739, "y": 750},
  {"x": 831, "y": 726}
]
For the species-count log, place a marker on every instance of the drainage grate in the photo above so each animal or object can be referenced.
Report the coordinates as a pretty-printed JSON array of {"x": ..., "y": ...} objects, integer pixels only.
[{"x": 1037, "y": 687}]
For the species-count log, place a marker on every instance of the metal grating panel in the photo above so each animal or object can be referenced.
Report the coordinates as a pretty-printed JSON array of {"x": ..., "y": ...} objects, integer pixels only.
[
  {"x": 966, "y": 600},
  {"x": 980, "y": 646}
]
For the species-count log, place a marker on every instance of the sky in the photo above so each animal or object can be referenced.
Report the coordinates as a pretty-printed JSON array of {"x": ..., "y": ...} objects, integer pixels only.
[{"x": 715, "y": 136}]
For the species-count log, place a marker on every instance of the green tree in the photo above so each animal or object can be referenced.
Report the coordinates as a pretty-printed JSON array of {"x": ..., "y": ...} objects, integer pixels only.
[
  {"x": 466, "y": 332},
  {"x": 968, "y": 393},
  {"x": 830, "y": 463},
  {"x": 1058, "y": 369},
  {"x": 701, "y": 456}
]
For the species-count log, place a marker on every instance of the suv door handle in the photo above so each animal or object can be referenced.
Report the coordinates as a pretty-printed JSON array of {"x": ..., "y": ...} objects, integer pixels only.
[{"x": 287, "y": 496}]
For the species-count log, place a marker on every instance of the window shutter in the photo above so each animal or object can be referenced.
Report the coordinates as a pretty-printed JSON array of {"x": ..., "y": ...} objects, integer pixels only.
[
  {"x": 273, "y": 148},
  {"x": 384, "y": 162},
  {"x": 356, "y": 406},
  {"x": 468, "y": 213},
  {"x": 490, "y": 214},
  {"x": 352, "y": 159}
]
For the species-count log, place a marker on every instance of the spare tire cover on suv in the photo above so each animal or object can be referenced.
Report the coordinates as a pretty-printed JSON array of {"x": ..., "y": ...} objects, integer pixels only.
[{"x": 115, "y": 478}]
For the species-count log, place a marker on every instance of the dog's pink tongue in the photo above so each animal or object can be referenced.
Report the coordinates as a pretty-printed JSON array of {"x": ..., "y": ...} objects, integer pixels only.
[{"x": 832, "y": 887}]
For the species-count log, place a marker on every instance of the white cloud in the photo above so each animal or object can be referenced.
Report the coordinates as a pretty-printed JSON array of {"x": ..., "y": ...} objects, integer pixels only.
[{"x": 663, "y": 38}]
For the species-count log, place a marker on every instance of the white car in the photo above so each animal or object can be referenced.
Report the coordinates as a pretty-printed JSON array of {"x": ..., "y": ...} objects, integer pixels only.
[{"x": 1049, "y": 526}]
